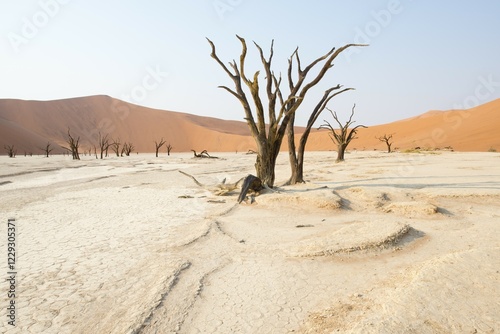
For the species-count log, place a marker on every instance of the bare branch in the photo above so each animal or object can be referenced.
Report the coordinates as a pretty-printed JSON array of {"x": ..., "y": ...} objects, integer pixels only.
[{"x": 214, "y": 56}]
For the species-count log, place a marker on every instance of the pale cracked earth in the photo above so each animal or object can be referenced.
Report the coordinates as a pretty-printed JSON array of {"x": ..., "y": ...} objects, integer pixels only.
[{"x": 382, "y": 243}]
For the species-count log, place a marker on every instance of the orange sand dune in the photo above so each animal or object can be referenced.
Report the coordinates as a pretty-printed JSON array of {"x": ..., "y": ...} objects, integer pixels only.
[
  {"x": 474, "y": 129},
  {"x": 29, "y": 125}
]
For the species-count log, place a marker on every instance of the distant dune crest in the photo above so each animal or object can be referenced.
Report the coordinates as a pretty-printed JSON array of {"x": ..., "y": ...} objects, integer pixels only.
[{"x": 29, "y": 125}]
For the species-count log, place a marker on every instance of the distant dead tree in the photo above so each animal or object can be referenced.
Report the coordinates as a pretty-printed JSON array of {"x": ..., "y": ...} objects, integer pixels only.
[
  {"x": 344, "y": 137},
  {"x": 95, "y": 152},
  {"x": 103, "y": 143},
  {"x": 269, "y": 118},
  {"x": 115, "y": 146},
  {"x": 74, "y": 144},
  {"x": 169, "y": 148},
  {"x": 158, "y": 145},
  {"x": 387, "y": 140},
  {"x": 11, "y": 151},
  {"x": 47, "y": 149},
  {"x": 127, "y": 148}
]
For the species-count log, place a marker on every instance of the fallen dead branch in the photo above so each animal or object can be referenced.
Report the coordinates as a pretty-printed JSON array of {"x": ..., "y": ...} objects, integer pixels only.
[
  {"x": 203, "y": 154},
  {"x": 220, "y": 189}
]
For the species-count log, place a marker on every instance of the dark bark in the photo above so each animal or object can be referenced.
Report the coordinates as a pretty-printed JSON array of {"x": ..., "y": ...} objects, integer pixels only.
[{"x": 341, "y": 152}]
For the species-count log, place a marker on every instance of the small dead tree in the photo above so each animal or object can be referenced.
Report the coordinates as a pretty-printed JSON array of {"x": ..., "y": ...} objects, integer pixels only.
[
  {"x": 169, "y": 148},
  {"x": 47, "y": 149},
  {"x": 11, "y": 151},
  {"x": 115, "y": 146},
  {"x": 74, "y": 144},
  {"x": 127, "y": 148},
  {"x": 344, "y": 136},
  {"x": 387, "y": 140},
  {"x": 104, "y": 144},
  {"x": 158, "y": 145}
]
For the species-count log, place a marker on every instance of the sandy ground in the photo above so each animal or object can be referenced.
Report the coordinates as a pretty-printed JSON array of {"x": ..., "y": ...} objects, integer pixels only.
[{"x": 382, "y": 243}]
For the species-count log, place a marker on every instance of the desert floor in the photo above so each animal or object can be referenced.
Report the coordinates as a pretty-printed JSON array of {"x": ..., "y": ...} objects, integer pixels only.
[{"x": 382, "y": 243}]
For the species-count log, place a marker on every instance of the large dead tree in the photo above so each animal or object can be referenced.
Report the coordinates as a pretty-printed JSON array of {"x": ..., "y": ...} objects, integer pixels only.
[
  {"x": 158, "y": 145},
  {"x": 387, "y": 140},
  {"x": 281, "y": 108},
  {"x": 343, "y": 137}
]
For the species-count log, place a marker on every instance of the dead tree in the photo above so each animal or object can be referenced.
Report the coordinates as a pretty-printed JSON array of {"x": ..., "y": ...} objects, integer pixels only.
[
  {"x": 74, "y": 144},
  {"x": 280, "y": 108},
  {"x": 387, "y": 140},
  {"x": 47, "y": 149},
  {"x": 103, "y": 143},
  {"x": 127, "y": 148},
  {"x": 11, "y": 151},
  {"x": 115, "y": 146},
  {"x": 158, "y": 145},
  {"x": 344, "y": 136},
  {"x": 169, "y": 148}
]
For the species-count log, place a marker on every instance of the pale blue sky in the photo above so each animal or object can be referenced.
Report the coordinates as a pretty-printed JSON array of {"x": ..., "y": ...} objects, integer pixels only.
[{"x": 423, "y": 54}]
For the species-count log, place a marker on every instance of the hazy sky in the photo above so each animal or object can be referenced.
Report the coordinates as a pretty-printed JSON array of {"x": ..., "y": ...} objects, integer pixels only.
[{"x": 423, "y": 54}]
